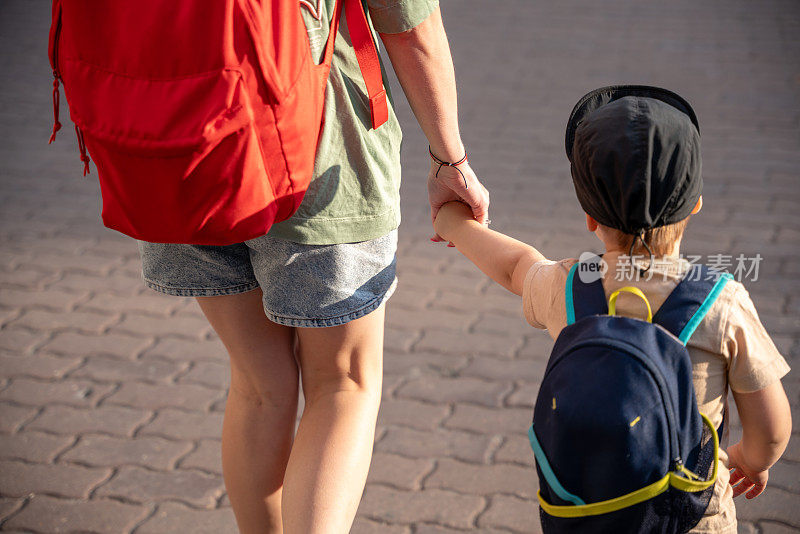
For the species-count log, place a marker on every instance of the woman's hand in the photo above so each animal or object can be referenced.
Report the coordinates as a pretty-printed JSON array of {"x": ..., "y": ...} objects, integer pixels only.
[
  {"x": 450, "y": 185},
  {"x": 450, "y": 216}
]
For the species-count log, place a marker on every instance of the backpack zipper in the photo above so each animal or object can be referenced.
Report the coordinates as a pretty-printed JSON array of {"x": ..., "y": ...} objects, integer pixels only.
[
  {"x": 678, "y": 467},
  {"x": 57, "y": 101},
  {"x": 56, "y": 78},
  {"x": 677, "y": 463}
]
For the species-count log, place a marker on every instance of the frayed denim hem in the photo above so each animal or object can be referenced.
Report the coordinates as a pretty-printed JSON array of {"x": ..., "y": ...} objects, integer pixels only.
[{"x": 301, "y": 322}]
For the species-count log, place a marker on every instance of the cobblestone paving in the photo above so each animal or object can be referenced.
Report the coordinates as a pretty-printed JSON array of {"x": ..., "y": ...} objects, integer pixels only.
[{"x": 111, "y": 396}]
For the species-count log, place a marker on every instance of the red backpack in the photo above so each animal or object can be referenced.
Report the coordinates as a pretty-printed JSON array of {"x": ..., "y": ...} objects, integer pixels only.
[{"x": 202, "y": 116}]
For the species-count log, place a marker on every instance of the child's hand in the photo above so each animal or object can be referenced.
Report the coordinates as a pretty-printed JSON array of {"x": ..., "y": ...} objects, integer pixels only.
[
  {"x": 743, "y": 478},
  {"x": 449, "y": 216}
]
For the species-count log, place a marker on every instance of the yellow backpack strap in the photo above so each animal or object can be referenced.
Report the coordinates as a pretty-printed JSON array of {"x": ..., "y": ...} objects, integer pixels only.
[
  {"x": 612, "y": 300},
  {"x": 691, "y": 482},
  {"x": 681, "y": 479},
  {"x": 611, "y": 505}
]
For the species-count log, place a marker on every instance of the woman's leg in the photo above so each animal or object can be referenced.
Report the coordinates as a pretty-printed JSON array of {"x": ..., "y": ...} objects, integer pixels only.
[
  {"x": 341, "y": 370},
  {"x": 261, "y": 408}
]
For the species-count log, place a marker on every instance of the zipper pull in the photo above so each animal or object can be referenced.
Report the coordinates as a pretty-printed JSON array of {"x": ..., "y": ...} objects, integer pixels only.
[
  {"x": 680, "y": 468},
  {"x": 56, "y": 102},
  {"x": 82, "y": 148},
  {"x": 677, "y": 465}
]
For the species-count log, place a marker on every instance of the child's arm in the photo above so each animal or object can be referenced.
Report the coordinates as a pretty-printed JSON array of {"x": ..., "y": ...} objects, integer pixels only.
[
  {"x": 766, "y": 427},
  {"x": 504, "y": 259}
]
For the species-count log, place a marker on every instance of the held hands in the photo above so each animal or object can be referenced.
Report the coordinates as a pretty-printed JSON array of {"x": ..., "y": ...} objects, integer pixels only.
[
  {"x": 449, "y": 217},
  {"x": 457, "y": 184},
  {"x": 743, "y": 478}
]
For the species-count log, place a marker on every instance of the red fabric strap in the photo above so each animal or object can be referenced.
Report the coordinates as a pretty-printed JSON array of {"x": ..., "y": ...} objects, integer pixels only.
[{"x": 368, "y": 61}]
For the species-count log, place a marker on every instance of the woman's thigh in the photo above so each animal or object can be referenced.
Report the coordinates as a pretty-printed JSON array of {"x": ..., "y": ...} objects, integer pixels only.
[{"x": 332, "y": 295}]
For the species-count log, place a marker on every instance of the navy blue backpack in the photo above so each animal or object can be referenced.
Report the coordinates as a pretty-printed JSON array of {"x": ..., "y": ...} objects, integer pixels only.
[{"x": 620, "y": 445}]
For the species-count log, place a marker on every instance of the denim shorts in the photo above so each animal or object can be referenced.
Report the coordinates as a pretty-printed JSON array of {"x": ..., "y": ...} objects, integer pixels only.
[{"x": 303, "y": 285}]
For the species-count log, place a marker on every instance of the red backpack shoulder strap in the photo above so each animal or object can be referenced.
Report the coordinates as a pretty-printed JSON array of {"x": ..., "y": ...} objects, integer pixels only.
[{"x": 368, "y": 62}]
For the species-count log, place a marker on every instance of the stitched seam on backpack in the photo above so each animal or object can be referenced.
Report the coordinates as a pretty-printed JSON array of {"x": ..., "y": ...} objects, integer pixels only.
[
  {"x": 283, "y": 154},
  {"x": 174, "y": 78}
]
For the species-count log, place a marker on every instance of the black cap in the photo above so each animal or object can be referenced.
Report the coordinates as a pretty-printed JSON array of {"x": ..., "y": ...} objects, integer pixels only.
[{"x": 635, "y": 157}]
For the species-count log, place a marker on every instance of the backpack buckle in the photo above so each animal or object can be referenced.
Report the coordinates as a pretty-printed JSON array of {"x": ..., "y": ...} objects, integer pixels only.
[{"x": 378, "y": 108}]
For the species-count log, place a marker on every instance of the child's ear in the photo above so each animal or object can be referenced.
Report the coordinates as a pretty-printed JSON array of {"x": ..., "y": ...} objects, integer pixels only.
[
  {"x": 698, "y": 206},
  {"x": 591, "y": 224}
]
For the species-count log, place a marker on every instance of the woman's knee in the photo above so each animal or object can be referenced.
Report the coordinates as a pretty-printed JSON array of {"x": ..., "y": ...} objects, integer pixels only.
[
  {"x": 361, "y": 376},
  {"x": 342, "y": 358},
  {"x": 263, "y": 367},
  {"x": 265, "y": 393}
]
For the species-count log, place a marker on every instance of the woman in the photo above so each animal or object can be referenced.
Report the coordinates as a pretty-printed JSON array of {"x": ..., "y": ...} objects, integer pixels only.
[{"x": 308, "y": 298}]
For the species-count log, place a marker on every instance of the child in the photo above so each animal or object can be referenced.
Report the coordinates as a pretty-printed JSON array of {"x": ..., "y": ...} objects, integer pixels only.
[{"x": 635, "y": 158}]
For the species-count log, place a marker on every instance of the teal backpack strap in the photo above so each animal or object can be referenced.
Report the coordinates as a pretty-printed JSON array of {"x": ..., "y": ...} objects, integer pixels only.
[
  {"x": 690, "y": 301},
  {"x": 547, "y": 471},
  {"x": 583, "y": 299}
]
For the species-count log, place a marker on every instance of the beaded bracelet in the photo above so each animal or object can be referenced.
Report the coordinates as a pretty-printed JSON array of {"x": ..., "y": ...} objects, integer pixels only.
[{"x": 454, "y": 164}]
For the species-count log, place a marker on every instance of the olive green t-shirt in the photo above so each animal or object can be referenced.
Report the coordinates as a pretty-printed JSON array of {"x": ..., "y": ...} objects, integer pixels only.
[{"x": 354, "y": 195}]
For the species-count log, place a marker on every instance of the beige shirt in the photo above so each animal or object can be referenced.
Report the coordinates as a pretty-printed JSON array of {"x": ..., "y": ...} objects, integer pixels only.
[{"x": 730, "y": 347}]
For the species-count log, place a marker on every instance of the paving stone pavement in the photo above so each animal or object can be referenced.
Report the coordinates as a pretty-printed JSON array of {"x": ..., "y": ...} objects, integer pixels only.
[{"x": 111, "y": 396}]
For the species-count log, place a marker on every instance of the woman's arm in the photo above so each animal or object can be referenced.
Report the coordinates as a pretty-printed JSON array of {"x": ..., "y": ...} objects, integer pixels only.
[
  {"x": 421, "y": 59},
  {"x": 504, "y": 259}
]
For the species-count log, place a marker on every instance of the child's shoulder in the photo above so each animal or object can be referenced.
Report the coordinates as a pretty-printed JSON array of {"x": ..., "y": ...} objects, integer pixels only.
[
  {"x": 549, "y": 271},
  {"x": 546, "y": 277},
  {"x": 754, "y": 361},
  {"x": 543, "y": 290},
  {"x": 735, "y": 306}
]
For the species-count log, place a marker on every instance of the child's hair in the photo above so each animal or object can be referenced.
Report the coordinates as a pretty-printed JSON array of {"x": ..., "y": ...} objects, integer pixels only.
[{"x": 661, "y": 240}]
